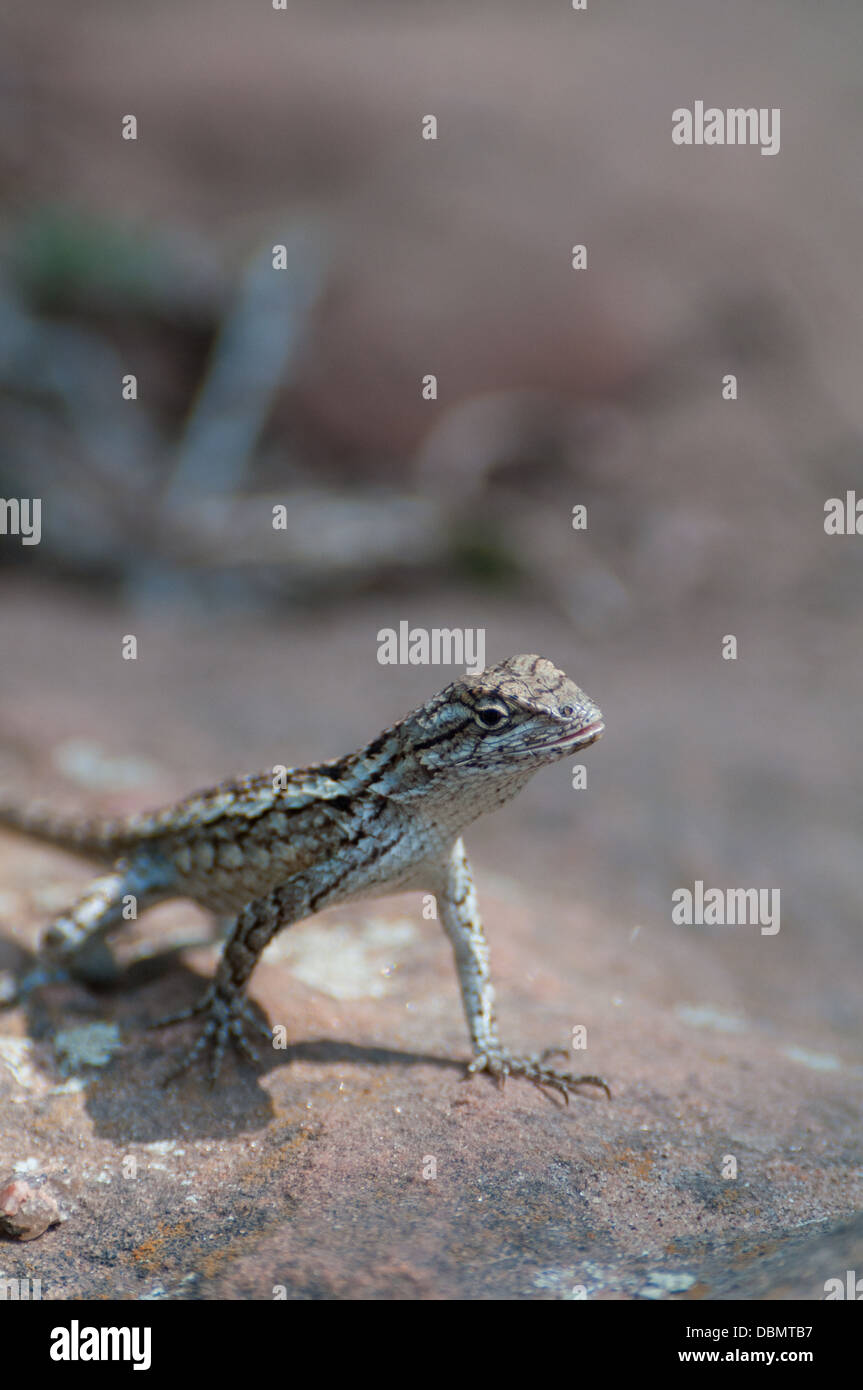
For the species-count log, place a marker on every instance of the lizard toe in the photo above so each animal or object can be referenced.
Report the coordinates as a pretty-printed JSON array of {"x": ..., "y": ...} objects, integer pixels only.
[
  {"x": 227, "y": 1022},
  {"x": 500, "y": 1064}
]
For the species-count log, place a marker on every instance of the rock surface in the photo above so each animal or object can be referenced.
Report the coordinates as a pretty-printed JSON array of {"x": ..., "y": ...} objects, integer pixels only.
[{"x": 358, "y": 1163}]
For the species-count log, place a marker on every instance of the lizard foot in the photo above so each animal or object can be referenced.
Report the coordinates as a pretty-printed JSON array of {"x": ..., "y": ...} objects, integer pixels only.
[
  {"x": 227, "y": 1020},
  {"x": 14, "y": 990},
  {"x": 501, "y": 1064}
]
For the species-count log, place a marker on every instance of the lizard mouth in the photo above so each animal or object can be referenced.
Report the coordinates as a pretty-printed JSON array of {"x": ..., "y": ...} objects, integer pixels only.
[{"x": 582, "y": 738}]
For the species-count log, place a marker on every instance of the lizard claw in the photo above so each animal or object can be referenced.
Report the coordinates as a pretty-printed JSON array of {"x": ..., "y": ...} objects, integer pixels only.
[
  {"x": 501, "y": 1064},
  {"x": 226, "y": 1021}
]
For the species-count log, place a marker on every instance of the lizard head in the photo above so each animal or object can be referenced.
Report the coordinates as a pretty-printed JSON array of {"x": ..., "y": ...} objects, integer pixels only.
[{"x": 517, "y": 715}]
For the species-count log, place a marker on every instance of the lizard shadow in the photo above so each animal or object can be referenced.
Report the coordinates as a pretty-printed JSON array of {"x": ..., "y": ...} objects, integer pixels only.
[
  {"x": 133, "y": 1104},
  {"x": 130, "y": 1097}
]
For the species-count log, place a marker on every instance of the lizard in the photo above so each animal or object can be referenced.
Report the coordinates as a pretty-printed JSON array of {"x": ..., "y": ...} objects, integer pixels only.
[{"x": 273, "y": 848}]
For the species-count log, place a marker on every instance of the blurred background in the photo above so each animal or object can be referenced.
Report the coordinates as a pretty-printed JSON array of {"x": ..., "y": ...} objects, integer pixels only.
[{"x": 303, "y": 387}]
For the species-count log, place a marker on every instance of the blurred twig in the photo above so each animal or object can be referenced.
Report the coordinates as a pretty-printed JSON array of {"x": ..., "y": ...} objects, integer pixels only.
[{"x": 249, "y": 365}]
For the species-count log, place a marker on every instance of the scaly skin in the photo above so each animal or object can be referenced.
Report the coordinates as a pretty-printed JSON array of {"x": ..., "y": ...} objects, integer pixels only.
[{"x": 386, "y": 819}]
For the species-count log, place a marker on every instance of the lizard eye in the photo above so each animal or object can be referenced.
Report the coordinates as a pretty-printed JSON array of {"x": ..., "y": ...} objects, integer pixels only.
[
  {"x": 491, "y": 716},
  {"x": 568, "y": 711}
]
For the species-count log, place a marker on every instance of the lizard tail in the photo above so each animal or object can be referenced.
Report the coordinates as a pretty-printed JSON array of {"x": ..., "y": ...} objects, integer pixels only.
[{"x": 97, "y": 838}]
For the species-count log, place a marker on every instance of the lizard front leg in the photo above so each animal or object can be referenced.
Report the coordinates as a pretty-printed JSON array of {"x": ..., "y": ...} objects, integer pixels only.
[
  {"x": 459, "y": 915},
  {"x": 228, "y": 1014}
]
